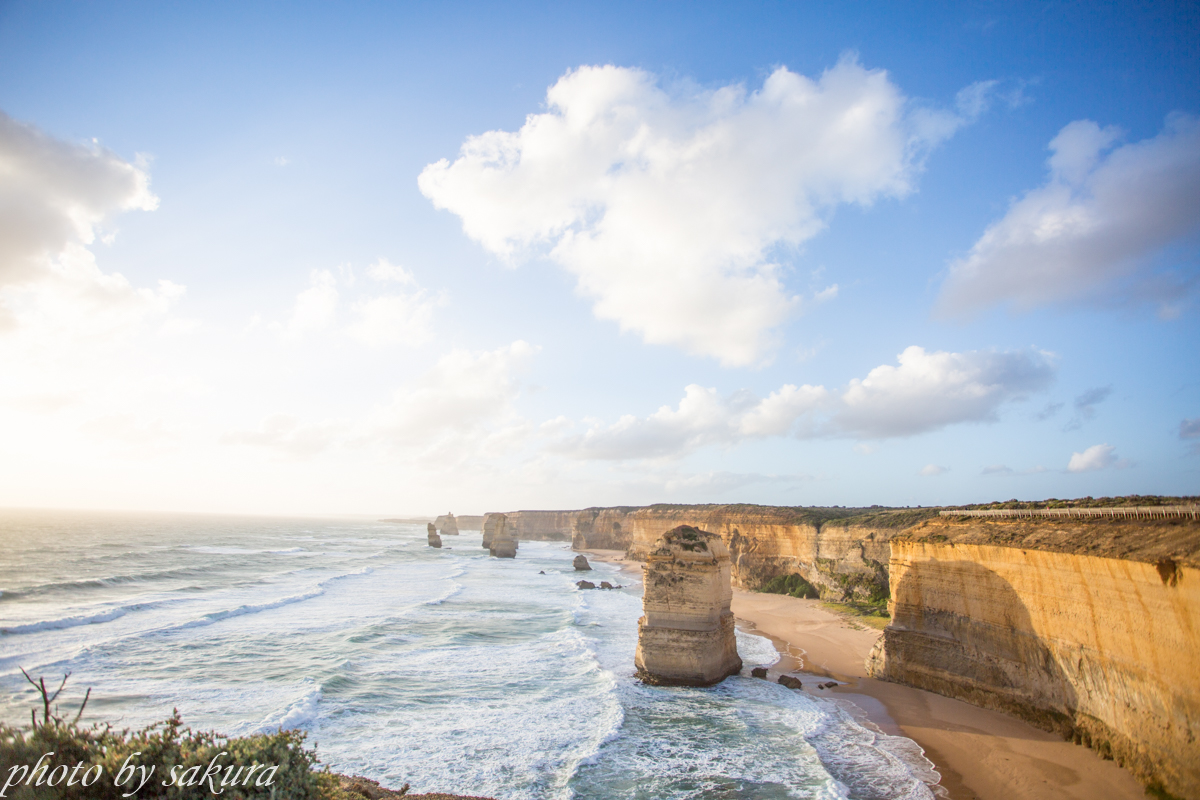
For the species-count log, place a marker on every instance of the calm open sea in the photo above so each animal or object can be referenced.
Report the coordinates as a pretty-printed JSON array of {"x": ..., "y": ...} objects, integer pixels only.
[{"x": 445, "y": 669}]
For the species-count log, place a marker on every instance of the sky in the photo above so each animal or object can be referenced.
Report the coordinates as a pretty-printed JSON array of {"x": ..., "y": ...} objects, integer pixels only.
[{"x": 410, "y": 258}]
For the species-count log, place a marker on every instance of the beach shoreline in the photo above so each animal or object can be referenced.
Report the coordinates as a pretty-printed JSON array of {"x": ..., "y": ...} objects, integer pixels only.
[{"x": 980, "y": 754}]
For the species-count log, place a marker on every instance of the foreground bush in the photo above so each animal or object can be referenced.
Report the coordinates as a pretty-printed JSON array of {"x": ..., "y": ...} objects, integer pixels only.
[{"x": 56, "y": 758}]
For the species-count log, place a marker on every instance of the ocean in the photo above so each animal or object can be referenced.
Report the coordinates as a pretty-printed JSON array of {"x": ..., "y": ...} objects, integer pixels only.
[{"x": 445, "y": 669}]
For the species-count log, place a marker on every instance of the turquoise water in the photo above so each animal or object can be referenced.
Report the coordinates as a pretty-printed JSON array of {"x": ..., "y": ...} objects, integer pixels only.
[{"x": 445, "y": 669}]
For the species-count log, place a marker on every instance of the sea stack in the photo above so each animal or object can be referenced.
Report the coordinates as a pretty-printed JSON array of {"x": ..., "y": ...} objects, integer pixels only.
[
  {"x": 581, "y": 564},
  {"x": 489, "y": 529},
  {"x": 434, "y": 539},
  {"x": 503, "y": 543},
  {"x": 686, "y": 634},
  {"x": 447, "y": 525}
]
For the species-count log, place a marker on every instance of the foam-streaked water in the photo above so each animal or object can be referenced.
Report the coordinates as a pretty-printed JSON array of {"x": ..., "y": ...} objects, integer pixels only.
[{"x": 446, "y": 669}]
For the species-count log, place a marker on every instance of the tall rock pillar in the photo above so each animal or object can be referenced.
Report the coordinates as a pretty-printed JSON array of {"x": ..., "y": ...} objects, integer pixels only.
[
  {"x": 503, "y": 542},
  {"x": 432, "y": 535},
  {"x": 686, "y": 634}
]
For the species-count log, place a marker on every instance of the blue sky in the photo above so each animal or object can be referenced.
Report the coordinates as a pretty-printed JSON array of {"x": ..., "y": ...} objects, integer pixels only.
[{"x": 404, "y": 258}]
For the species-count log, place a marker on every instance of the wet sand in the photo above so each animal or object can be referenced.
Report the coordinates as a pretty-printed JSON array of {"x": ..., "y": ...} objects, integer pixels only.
[{"x": 980, "y": 754}]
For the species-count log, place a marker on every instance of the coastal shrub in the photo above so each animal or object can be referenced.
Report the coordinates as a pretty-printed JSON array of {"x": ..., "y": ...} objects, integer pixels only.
[
  {"x": 792, "y": 585},
  {"x": 59, "y": 759}
]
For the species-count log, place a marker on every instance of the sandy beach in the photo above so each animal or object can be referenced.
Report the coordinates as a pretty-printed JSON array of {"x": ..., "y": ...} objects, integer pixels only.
[{"x": 980, "y": 754}]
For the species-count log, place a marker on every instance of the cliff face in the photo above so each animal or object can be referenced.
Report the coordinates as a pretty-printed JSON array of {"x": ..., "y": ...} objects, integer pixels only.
[
  {"x": 469, "y": 522},
  {"x": 543, "y": 526},
  {"x": 844, "y": 558},
  {"x": 1103, "y": 650},
  {"x": 446, "y": 525},
  {"x": 686, "y": 635}
]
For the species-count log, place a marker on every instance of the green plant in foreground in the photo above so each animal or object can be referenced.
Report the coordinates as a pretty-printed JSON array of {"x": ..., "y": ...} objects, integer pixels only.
[{"x": 56, "y": 758}]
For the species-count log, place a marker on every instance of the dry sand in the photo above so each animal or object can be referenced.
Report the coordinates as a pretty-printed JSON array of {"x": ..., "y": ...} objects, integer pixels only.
[{"x": 980, "y": 754}]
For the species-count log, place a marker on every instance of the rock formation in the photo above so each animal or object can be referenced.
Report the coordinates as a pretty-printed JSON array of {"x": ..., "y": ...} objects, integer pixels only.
[
  {"x": 434, "y": 539},
  {"x": 503, "y": 541},
  {"x": 686, "y": 634},
  {"x": 789, "y": 681},
  {"x": 446, "y": 525},
  {"x": 489, "y": 528},
  {"x": 581, "y": 564},
  {"x": 1104, "y": 651},
  {"x": 585, "y": 584}
]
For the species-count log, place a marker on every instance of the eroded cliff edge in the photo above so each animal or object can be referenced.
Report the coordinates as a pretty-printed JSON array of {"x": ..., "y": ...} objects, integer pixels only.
[{"x": 1023, "y": 618}]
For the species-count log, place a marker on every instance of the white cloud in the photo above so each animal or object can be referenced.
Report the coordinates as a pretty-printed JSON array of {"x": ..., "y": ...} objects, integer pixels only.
[
  {"x": 290, "y": 436},
  {"x": 465, "y": 399},
  {"x": 54, "y": 194},
  {"x": 930, "y": 470},
  {"x": 1098, "y": 456},
  {"x": 315, "y": 308},
  {"x": 384, "y": 270},
  {"x": 669, "y": 207},
  {"x": 702, "y": 418},
  {"x": 380, "y": 320},
  {"x": 928, "y": 391},
  {"x": 1095, "y": 229},
  {"x": 397, "y": 319},
  {"x": 54, "y": 198},
  {"x": 461, "y": 408},
  {"x": 1190, "y": 428}
]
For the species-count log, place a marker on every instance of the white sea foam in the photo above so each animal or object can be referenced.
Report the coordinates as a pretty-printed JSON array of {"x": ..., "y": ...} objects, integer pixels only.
[
  {"x": 65, "y": 622},
  {"x": 300, "y": 713},
  {"x": 756, "y": 650}
]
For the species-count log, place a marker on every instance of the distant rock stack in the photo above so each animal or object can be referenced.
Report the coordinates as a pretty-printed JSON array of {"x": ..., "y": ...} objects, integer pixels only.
[
  {"x": 434, "y": 539},
  {"x": 504, "y": 538},
  {"x": 581, "y": 564},
  {"x": 489, "y": 528},
  {"x": 686, "y": 634},
  {"x": 447, "y": 525}
]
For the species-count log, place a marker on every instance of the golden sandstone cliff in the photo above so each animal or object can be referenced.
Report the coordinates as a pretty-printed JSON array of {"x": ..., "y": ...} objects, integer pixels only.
[
  {"x": 686, "y": 634},
  {"x": 1085, "y": 625},
  {"x": 1104, "y": 650}
]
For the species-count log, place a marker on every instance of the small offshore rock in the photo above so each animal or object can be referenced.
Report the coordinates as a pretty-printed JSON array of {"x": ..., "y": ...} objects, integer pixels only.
[
  {"x": 829, "y": 685},
  {"x": 758, "y": 672},
  {"x": 434, "y": 539},
  {"x": 789, "y": 681},
  {"x": 541, "y": 572},
  {"x": 606, "y": 585},
  {"x": 585, "y": 585},
  {"x": 581, "y": 564}
]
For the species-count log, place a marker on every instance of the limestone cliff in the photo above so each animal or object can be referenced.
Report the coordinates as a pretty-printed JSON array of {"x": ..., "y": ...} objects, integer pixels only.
[
  {"x": 446, "y": 525},
  {"x": 843, "y": 552},
  {"x": 1103, "y": 650},
  {"x": 469, "y": 522},
  {"x": 543, "y": 526}
]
